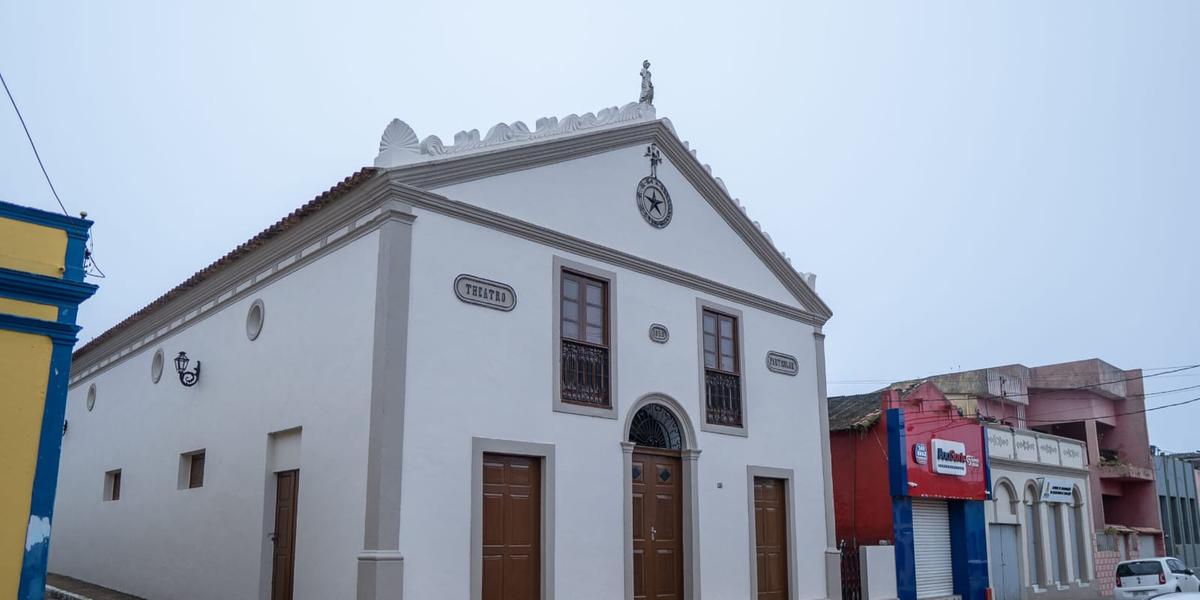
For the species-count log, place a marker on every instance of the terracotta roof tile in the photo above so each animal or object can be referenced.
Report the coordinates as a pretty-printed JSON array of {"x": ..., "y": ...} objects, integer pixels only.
[{"x": 284, "y": 224}]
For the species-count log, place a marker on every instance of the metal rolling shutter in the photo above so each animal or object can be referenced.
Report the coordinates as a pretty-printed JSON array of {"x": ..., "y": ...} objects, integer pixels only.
[{"x": 931, "y": 547}]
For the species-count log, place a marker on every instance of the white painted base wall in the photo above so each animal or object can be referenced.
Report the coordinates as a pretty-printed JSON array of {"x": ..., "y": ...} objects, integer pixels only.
[{"x": 309, "y": 368}]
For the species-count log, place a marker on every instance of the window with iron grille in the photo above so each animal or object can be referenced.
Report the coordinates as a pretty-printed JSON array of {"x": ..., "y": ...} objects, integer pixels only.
[
  {"x": 722, "y": 369},
  {"x": 584, "y": 346}
]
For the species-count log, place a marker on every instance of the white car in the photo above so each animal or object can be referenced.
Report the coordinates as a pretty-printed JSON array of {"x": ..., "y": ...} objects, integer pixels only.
[{"x": 1146, "y": 578}]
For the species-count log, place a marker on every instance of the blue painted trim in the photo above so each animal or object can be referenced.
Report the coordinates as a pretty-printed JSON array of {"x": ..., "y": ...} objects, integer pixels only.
[
  {"x": 906, "y": 559},
  {"x": 897, "y": 456},
  {"x": 43, "y": 288},
  {"x": 59, "y": 333},
  {"x": 36, "y": 216},
  {"x": 968, "y": 546},
  {"x": 76, "y": 229},
  {"x": 45, "y": 479}
]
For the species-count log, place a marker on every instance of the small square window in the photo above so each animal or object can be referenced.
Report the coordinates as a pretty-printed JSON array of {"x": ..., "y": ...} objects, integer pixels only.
[
  {"x": 112, "y": 485},
  {"x": 191, "y": 470}
]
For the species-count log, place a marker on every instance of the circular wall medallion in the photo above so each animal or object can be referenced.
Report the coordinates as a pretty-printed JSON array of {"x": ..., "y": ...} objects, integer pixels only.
[
  {"x": 654, "y": 202},
  {"x": 659, "y": 333},
  {"x": 156, "y": 366},
  {"x": 91, "y": 397},
  {"x": 254, "y": 319}
]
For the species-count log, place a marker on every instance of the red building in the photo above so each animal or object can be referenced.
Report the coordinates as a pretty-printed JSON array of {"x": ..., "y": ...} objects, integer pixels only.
[{"x": 909, "y": 470}]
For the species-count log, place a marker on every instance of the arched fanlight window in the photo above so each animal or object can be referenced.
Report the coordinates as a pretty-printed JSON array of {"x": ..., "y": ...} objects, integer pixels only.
[{"x": 655, "y": 427}]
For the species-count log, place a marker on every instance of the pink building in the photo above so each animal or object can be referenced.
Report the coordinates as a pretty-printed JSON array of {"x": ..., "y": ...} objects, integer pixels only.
[{"x": 1098, "y": 404}]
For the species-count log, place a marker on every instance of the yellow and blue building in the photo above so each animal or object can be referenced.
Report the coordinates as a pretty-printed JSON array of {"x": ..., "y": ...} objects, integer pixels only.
[{"x": 42, "y": 267}]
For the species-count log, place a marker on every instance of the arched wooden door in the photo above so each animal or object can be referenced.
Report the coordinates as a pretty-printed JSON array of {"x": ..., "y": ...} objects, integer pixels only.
[{"x": 657, "y": 497}]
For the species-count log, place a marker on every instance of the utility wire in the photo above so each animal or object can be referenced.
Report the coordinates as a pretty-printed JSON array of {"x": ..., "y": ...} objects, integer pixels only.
[{"x": 32, "y": 145}]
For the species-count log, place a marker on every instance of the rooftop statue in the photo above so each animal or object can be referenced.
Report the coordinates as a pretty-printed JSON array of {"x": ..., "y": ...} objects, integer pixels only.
[{"x": 647, "y": 96}]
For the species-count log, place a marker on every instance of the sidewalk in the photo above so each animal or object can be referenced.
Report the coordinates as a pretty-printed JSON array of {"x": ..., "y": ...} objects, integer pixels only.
[{"x": 61, "y": 587}]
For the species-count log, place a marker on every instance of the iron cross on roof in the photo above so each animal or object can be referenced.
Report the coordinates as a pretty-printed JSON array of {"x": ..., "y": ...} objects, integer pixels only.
[{"x": 653, "y": 154}]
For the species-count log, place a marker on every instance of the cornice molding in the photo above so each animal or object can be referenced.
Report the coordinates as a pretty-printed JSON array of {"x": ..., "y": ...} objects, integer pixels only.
[
  {"x": 41, "y": 288},
  {"x": 330, "y": 226},
  {"x": 74, "y": 226},
  {"x": 1028, "y": 466},
  {"x": 478, "y": 165},
  {"x": 360, "y": 212},
  {"x": 548, "y": 237}
]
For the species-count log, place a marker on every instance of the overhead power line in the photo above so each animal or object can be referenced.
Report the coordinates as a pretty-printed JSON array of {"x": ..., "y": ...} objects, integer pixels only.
[{"x": 32, "y": 145}]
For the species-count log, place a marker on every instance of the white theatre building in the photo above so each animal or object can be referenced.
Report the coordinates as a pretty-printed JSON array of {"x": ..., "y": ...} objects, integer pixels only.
[{"x": 548, "y": 363}]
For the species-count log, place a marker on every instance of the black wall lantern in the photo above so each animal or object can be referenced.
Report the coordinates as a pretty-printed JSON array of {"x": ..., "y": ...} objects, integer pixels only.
[{"x": 186, "y": 377}]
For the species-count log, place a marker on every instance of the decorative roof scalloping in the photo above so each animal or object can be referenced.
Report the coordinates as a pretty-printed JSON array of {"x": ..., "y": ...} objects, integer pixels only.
[
  {"x": 308, "y": 208},
  {"x": 436, "y": 171},
  {"x": 399, "y": 146}
]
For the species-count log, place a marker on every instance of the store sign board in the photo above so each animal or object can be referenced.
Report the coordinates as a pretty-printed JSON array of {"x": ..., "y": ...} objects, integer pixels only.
[
  {"x": 949, "y": 458},
  {"x": 1055, "y": 489}
]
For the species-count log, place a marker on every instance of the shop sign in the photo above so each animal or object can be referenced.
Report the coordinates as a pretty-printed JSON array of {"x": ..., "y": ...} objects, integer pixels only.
[
  {"x": 920, "y": 453},
  {"x": 949, "y": 458},
  {"x": 1055, "y": 489},
  {"x": 484, "y": 292}
]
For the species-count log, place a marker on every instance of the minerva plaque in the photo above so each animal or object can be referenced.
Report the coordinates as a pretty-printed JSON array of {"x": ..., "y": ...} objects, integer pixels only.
[{"x": 784, "y": 364}]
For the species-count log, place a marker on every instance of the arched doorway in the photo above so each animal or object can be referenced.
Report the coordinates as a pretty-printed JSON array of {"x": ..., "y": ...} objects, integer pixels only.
[{"x": 660, "y": 461}]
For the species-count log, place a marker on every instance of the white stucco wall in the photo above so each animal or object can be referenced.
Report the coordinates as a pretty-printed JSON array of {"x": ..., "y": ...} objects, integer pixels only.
[
  {"x": 1020, "y": 477},
  {"x": 309, "y": 368},
  {"x": 476, "y": 372},
  {"x": 594, "y": 198}
]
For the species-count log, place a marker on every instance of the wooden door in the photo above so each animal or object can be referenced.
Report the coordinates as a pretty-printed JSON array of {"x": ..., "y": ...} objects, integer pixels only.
[
  {"x": 771, "y": 533},
  {"x": 657, "y": 525},
  {"x": 512, "y": 527},
  {"x": 287, "y": 488}
]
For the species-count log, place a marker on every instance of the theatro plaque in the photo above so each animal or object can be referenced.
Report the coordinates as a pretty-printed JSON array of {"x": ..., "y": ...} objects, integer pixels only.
[
  {"x": 484, "y": 292},
  {"x": 784, "y": 364}
]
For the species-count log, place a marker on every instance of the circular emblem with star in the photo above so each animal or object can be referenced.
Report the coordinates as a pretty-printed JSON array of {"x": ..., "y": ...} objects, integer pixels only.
[{"x": 654, "y": 202}]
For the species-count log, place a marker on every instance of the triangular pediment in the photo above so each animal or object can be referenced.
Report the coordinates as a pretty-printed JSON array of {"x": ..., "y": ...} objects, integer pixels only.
[{"x": 585, "y": 186}]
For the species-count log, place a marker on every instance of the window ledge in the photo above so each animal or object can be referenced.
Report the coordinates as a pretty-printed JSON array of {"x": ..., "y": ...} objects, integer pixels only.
[
  {"x": 587, "y": 411},
  {"x": 724, "y": 429}
]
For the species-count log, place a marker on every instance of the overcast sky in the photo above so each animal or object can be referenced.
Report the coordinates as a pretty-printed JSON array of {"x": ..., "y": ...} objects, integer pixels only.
[{"x": 975, "y": 184}]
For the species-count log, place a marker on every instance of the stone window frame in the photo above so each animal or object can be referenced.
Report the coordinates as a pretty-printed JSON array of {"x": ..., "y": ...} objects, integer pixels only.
[
  {"x": 561, "y": 263},
  {"x": 703, "y": 304}
]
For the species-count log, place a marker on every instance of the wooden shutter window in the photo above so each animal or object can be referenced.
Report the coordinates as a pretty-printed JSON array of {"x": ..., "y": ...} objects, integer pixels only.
[
  {"x": 584, "y": 347},
  {"x": 196, "y": 471}
]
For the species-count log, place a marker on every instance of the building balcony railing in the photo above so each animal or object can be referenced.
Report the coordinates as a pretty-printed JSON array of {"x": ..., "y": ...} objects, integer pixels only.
[
  {"x": 723, "y": 398},
  {"x": 585, "y": 374}
]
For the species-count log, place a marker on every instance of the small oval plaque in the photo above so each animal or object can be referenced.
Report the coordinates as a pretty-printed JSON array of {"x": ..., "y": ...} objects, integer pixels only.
[
  {"x": 484, "y": 292},
  {"x": 784, "y": 364},
  {"x": 659, "y": 333}
]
